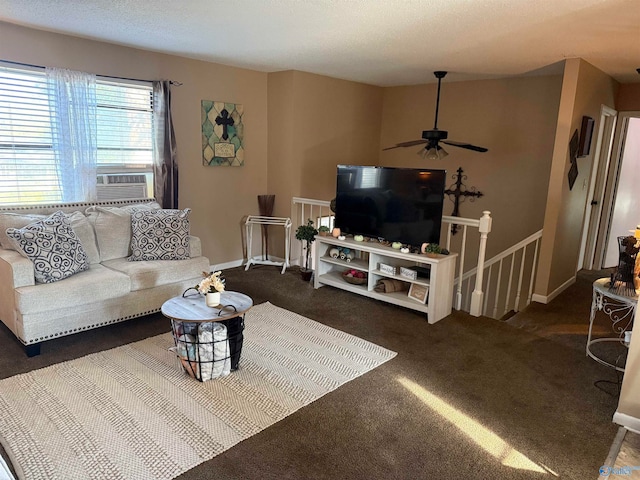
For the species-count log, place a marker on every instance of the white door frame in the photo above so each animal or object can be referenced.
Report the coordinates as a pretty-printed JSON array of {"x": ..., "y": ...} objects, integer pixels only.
[
  {"x": 611, "y": 189},
  {"x": 597, "y": 183}
]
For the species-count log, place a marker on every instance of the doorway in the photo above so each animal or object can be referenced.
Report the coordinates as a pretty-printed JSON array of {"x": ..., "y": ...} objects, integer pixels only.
[
  {"x": 599, "y": 173},
  {"x": 626, "y": 205},
  {"x": 615, "y": 205}
]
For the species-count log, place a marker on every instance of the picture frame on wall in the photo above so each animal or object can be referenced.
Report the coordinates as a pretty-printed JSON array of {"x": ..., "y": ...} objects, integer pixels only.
[
  {"x": 586, "y": 132},
  {"x": 419, "y": 292}
]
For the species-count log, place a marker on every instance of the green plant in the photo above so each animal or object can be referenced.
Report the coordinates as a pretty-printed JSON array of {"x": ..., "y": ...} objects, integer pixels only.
[
  {"x": 307, "y": 233},
  {"x": 323, "y": 229},
  {"x": 436, "y": 249}
]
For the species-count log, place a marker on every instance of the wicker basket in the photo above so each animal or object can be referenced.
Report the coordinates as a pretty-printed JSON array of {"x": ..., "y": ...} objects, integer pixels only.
[{"x": 354, "y": 280}]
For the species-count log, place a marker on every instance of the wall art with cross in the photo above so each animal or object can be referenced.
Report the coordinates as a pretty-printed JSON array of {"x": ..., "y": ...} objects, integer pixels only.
[{"x": 222, "y": 134}]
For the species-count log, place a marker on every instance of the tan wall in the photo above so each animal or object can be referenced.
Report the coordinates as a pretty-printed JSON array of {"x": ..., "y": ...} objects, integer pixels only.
[
  {"x": 628, "y": 98},
  {"x": 514, "y": 118},
  {"x": 219, "y": 196},
  {"x": 336, "y": 122},
  {"x": 584, "y": 90},
  {"x": 316, "y": 123}
]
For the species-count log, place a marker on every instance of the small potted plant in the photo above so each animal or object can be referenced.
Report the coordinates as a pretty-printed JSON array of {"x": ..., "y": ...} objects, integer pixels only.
[
  {"x": 323, "y": 230},
  {"x": 211, "y": 286},
  {"x": 433, "y": 250},
  {"x": 307, "y": 233}
]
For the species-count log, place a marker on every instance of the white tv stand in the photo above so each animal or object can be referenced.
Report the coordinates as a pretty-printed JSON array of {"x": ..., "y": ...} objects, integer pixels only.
[{"x": 368, "y": 257}]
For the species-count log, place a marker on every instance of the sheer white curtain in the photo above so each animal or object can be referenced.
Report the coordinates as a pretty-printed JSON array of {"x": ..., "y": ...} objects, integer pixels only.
[{"x": 73, "y": 110}]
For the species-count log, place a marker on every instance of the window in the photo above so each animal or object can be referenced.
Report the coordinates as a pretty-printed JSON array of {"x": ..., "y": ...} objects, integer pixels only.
[{"x": 28, "y": 173}]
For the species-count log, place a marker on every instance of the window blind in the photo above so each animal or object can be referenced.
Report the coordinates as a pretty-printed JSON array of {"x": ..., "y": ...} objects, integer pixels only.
[{"x": 28, "y": 172}]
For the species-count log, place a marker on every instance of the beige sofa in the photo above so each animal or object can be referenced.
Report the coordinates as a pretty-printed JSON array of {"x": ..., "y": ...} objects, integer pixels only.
[{"x": 110, "y": 290}]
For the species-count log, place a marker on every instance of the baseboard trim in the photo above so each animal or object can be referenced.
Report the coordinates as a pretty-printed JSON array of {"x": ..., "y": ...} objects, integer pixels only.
[
  {"x": 241, "y": 262},
  {"x": 547, "y": 298},
  {"x": 627, "y": 421}
]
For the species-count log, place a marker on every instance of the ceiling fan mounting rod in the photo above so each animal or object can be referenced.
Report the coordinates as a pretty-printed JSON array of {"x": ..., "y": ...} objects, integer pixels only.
[{"x": 439, "y": 75}]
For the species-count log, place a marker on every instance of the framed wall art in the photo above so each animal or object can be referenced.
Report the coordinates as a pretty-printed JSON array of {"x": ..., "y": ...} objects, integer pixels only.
[{"x": 222, "y": 134}]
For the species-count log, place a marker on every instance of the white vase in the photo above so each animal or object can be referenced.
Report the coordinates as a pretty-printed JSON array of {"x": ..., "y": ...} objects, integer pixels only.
[{"x": 212, "y": 299}]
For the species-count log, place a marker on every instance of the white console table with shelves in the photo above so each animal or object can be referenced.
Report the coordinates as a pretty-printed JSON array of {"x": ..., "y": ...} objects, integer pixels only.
[{"x": 369, "y": 255}]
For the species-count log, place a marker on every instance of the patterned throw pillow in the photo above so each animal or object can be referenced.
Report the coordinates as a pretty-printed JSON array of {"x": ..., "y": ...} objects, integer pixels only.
[
  {"x": 160, "y": 235},
  {"x": 52, "y": 246}
]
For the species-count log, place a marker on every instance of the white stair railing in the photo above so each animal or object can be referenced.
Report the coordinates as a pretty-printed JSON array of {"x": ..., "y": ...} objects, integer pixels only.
[{"x": 522, "y": 260}]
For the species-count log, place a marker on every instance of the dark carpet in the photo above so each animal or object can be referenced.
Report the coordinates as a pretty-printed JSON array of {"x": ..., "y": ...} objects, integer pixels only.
[{"x": 489, "y": 400}]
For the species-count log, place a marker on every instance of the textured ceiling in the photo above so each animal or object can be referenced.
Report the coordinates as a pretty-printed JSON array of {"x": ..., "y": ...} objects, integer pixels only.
[{"x": 380, "y": 42}]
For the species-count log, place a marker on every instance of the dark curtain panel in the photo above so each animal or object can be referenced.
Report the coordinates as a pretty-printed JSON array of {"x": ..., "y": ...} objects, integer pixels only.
[{"x": 166, "y": 162}]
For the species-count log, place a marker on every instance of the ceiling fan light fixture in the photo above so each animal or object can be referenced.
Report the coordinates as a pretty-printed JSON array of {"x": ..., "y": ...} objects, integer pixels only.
[{"x": 433, "y": 153}]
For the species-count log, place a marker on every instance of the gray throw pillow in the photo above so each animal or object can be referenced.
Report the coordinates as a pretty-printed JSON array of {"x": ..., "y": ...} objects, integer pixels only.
[
  {"x": 52, "y": 246},
  {"x": 160, "y": 235}
]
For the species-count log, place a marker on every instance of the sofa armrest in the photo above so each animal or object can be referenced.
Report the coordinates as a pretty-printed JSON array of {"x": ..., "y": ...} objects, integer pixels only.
[
  {"x": 195, "y": 246},
  {"x": 15, "y": 270}
]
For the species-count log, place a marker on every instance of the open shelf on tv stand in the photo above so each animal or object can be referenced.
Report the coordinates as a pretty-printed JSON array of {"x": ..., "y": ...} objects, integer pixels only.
[{"x": 368, "y": 257}]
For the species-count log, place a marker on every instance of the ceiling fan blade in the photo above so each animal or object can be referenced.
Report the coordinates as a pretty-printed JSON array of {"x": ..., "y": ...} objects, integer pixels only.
[
  {"x": 468, "y": 146},
  {"x": 410, "y": 143}
]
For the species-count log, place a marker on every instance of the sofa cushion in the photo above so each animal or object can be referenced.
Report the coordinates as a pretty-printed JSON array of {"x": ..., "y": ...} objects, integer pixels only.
[
  {"x": 153, "y": 273},
  {"x": 113, "y": 228},
  {"x": 86, "y": 234},
  {"x": 52, "y": 246},
  {"x": 160, "y": 235},
  {"x": 14, "y": 220},
  {"x": 96, "y": 284}
]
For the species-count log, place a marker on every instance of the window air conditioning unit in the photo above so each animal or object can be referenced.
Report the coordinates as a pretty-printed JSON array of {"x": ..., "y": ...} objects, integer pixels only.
[{"x": 121, "y": 186}]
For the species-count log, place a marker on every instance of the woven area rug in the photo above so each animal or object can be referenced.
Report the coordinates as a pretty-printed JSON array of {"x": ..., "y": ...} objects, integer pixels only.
[{"x": 131, "y": 412}]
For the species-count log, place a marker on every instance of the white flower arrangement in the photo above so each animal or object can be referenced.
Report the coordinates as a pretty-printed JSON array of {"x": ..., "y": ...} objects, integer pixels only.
[{"x": 211, "y": 283}]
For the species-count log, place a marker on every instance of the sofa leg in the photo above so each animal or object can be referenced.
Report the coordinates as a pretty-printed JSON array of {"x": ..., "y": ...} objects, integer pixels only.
[{"x": 32, "y": 350}]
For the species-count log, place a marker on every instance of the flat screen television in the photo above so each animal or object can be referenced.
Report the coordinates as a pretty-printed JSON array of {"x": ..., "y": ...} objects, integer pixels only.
[{"x": 395, "y": 204}]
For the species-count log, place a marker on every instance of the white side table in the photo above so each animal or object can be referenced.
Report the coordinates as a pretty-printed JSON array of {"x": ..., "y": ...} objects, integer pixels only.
[
  {"x": 620, "y": 309},
  {"x": 261, "y": 220}
]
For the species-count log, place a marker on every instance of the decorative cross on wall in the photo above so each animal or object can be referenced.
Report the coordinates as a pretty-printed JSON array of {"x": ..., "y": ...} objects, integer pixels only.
[
  {"x": 460, "y": 191},
  {"x": 226, "y": 121}
]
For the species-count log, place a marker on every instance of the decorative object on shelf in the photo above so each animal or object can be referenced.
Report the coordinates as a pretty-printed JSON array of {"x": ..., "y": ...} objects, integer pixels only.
[
  {"x": 622, "y": 279},
  {"x": 346, "y": 254},
  {"x": 419, "y": 292},
  {"x": 222, "y": 133},
  {"x": 335, "y": 232},
  {"x": 388, "y": 269},
  {"x": 390, "y": 285},
  {"x": 334, "y": 252},
  {"x": 211, "y": 286},
  {"x": 460, "y": 191},
  {"x": 306, "y": 233},
  {"x": 341, "y": 237},
  {"x": 433, "y": 250},
  {"x": 408, "y": 273},
  {"x": 355, "y": 277},
  {"x": 358, "y": 238},
  {"x": 396, "y": 245},
  {"x": 323, "y": 230},
  {"x": 404, "y": 250}
]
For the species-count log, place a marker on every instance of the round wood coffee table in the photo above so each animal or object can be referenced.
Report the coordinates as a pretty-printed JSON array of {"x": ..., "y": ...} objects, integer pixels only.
[{"x": 188, "y": 312}]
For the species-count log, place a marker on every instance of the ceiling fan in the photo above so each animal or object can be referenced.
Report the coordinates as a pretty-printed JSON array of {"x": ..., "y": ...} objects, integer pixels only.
[{"x": 432, "y": 138}]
